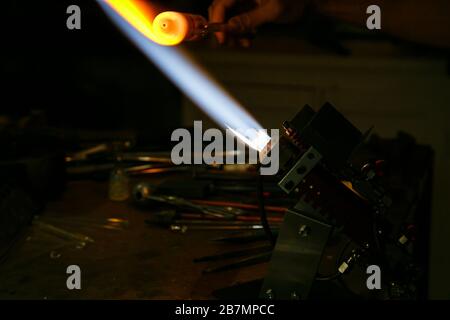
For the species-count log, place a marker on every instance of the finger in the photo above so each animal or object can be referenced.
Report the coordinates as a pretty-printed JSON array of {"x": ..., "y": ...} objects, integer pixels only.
[
  {"x": 217, "y": 12},
  {"x": 248, "y": 21}
]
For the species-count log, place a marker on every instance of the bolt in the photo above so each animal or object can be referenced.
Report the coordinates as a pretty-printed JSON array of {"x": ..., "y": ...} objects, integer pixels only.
[
  {"x": 270, "y": 295},
  {"x": 295, "y": 296},
  {"x": 303, "y": 231}
]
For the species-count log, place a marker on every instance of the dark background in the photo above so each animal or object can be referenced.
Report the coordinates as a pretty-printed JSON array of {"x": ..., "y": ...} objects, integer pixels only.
[
  {"x": 91, "y": 78},
  {"x": 94, "y": 79}
]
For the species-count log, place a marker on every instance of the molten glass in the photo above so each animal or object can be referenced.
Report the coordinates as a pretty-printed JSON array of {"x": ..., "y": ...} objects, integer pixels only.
[
  {"x": 140, "y": 15},
  {"x": 168, "y": 28},
  {"x": 178, "y": 27}
]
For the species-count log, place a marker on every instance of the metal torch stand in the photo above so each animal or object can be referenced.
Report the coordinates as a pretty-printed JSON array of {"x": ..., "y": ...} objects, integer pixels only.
[{"x": 296, "y": 257}]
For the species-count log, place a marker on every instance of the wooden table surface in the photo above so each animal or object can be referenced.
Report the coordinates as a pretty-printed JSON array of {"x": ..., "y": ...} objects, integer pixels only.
[{"x": 136, "y": 262}]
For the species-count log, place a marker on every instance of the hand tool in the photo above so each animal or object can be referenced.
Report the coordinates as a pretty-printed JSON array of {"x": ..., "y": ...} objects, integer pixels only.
[
  {"x": 184, "y": 228},
  {"x": 63, "y": 233},
  {"x": 245, "y": 237},
  {"x": 249, "y": 261},
  {"x": 234, "y": 254}
]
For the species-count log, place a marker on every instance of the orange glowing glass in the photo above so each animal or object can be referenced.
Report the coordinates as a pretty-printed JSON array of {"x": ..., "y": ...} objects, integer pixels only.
[
  {"x": 171, "y": 26},
  {"x": 168, "y": 28}
]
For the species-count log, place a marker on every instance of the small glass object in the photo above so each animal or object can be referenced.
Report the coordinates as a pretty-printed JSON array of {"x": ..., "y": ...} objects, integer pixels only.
[{"x": 119, "y": 183}]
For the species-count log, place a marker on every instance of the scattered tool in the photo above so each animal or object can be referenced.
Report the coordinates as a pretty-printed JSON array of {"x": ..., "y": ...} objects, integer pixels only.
[
  {"x": 63, "y": 233},
  {"x": 214, "y": 223},
  {"x": 184, "y": 228},
  {"x": 143, "y": 192},
  {"x": 239, "y": 205},
  {"x": 243, "y": 218},
  {"x": 245, "y": 237},
  {"x": 171, "y": 217},
  {"x": 249, "y": 261},
  {"x": 112, "y": 223},
  {"x": 234, "y": 254}
]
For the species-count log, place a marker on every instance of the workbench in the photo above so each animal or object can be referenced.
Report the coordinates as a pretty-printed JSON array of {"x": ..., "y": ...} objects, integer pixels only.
[{"x": 137, "y": 261}]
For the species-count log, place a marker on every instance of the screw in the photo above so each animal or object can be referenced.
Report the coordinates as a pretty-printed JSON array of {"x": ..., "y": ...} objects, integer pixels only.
[
  {"x": 303, "y": 231},
  {"x": 294, "y": 296},
  {"x": 270, "y": 295}
]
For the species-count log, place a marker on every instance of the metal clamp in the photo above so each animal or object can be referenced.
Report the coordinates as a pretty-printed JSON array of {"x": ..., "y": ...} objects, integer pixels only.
[{"x": 299, "y": 171}]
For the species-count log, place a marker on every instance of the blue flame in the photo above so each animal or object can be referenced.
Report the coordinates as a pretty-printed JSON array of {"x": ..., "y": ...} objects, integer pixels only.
[{"x": 194, "y": 82}]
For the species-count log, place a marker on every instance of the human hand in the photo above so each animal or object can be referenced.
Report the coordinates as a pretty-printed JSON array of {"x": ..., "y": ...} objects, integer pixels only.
[{"x": 247, "y": 15}]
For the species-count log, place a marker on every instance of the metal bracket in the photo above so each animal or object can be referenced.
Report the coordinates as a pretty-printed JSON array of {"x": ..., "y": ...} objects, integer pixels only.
[
  {"x": 299, "y": 171},
  {"x": 296, "y": 257}
]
